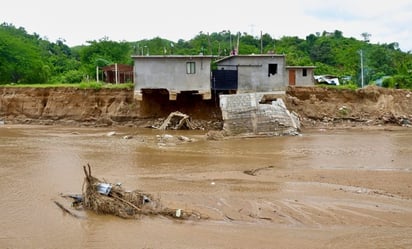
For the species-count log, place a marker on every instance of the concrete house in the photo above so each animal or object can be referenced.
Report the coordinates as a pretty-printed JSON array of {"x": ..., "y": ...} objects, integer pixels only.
[
  {"x": 300, "y": 75},
  {"x": 173, "y": 73},
  {"x": 255, "y": 73}
]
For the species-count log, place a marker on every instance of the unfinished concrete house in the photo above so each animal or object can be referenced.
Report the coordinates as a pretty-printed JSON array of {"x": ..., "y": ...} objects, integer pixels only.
[
  {"x": 173, "y": 74},
  {"x": 254, "y": 73},
  {"x": 258, "y": 73},
  {"x": 300, "y": 75},
  {"x": 249, "y": 89}
]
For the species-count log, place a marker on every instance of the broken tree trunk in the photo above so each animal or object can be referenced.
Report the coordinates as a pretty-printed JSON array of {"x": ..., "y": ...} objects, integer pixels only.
[{"x": 177, "y": 121}]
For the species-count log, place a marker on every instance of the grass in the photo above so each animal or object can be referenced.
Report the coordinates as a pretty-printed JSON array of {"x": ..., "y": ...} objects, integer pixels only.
[
  {"x": 345, "y": 86},
  {"x": 82, "y": 85}
]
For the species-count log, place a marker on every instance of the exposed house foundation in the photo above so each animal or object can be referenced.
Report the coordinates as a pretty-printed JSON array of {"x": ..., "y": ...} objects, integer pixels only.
[{"x": 257, "y": 114}]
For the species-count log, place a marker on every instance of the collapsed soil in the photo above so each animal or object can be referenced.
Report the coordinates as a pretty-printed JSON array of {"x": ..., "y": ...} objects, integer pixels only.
[{"x": 316, "y": 107}]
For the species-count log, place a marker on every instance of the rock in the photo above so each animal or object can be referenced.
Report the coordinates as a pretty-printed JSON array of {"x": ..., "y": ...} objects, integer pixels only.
[
  {"x": 110, "y": 134},
  {"x": 214, "y": 135}
]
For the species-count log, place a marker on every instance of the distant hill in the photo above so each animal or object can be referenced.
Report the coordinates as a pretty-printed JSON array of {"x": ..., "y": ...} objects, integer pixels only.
[{"x": 28, "y": 58}]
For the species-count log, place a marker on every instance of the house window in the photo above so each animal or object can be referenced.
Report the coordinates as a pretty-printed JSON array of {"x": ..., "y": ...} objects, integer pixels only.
[
  {"x": 273, "y": 69},
  {"x": 190, "y": 67},
  {"x": 304, "y": 72}
]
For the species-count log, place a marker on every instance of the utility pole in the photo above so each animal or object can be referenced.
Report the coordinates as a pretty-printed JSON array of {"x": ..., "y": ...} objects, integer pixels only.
[
  {"x": 230, "y": 43},
  {"x": 366, "y": 36},
  {"x": 237, "y": 43},
  {"x": 361, "y": 63},
  {"x": 208, "y": 44},
  {"x": 116, "y": 73}
]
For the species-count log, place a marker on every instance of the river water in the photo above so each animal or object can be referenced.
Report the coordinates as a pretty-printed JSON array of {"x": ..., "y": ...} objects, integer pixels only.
[{"x": 324, "y": 189}]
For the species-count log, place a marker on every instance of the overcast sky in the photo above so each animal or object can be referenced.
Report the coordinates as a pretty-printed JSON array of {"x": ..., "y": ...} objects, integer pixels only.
[{"x": 78, "y": 21}]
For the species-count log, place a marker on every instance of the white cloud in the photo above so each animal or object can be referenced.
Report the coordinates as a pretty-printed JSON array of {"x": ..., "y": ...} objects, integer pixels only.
[
  {"x": 78, "y": 21},
  {"x": 386, "y": 21}
]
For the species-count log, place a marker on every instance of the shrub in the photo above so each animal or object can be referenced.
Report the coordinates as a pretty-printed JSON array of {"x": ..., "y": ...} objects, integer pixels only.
[
  {"x": 398, "y": 81},
  {"x": 90, "y": 85},
  {"x": 72, "y": 76}
]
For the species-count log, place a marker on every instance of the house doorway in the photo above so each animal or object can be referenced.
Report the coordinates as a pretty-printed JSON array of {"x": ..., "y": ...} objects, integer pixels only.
[
  {"x": 292, "y": 77},
  {"x": 226, "y": 80}
]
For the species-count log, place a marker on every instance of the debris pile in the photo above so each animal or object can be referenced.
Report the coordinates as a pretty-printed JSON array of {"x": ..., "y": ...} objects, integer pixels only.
[
  {"x": 106, "y": 198},
  {"x": 180, "y": 121}
]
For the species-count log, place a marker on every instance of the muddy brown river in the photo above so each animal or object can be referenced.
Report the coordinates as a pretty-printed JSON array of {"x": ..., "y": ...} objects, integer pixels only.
[{"x": 324, "y": 189}]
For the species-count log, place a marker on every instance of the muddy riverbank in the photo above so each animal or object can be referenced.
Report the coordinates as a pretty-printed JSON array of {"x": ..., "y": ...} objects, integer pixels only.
[
  {"x": 98, "y": 108},
  {"x": 316, "y": 107}
]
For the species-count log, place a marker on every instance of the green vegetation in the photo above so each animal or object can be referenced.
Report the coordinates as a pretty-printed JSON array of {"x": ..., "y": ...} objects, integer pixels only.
[
  {"x": 99, "y": 85},
  {"x": 348, "y": 86},
  {"x": 82, "y": 85},
  {"x": 28, "y": 58}
]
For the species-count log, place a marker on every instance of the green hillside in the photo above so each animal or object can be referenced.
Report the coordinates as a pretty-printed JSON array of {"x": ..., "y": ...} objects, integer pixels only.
[{"x": 29, "y": 58}]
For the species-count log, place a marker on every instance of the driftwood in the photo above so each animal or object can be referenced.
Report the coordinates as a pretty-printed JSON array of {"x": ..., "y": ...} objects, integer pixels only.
[
  {"x": 177, "y": 121},
  {"x": 67, "y": 210},
  {"x": 254, "y": 172}
]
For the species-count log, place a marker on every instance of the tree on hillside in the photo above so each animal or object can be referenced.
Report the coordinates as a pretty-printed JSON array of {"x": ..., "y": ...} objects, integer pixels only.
[
  {"x": 20, "y": 59},
  {"x": 29, "y": 58},
  {"x": 322, "y": 51},
  {"x": 295, "y": 50},
  {"x": 103, "y": 52}
]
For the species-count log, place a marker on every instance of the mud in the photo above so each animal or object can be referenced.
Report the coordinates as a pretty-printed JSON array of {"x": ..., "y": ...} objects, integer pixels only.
[{"x": 340, "y": 188}]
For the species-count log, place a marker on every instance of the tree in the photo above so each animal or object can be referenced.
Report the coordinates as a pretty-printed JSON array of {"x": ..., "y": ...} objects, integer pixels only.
[
  {"x": 103, "y": 52},
  {"x": 380, "y": 60},
  {"x": 30, "y": 59},
  {"x": 366, "y": 36},
  {"x": 322, "y": 52},
  {"x": 21, "y": 61}
]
